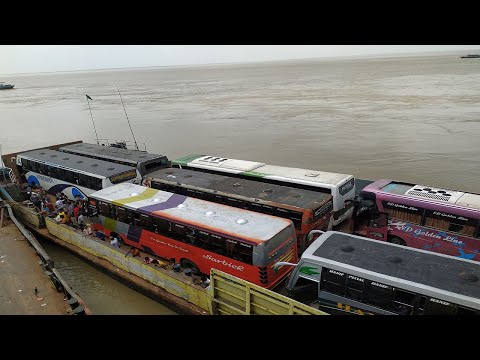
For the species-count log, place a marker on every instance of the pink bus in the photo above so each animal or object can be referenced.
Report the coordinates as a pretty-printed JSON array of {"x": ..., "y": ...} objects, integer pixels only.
[{"x": 423, "y": 217}]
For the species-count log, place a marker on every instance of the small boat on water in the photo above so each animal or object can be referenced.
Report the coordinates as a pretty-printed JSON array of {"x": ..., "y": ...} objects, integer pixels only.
[
  {"x": 5, "y": 86},
  {"x": 470, "y": 56}
]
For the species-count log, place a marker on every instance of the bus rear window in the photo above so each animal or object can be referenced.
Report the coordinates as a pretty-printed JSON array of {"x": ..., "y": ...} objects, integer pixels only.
[
  {"x": 154, "y": 165},
  {"x": 345, "y": 188}
]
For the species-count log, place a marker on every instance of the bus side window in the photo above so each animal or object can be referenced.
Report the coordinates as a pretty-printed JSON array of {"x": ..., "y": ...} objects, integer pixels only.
[
  {"x": 135, "y": 218},
  {"x": 159, "y": 185},
  {"x": 69, "y": 176},
  {"x": 97, "y": 184},
  {"x": 230, "y": 246},
  {"x": 190, "y": 192},
  {"x": 179, "y": 232},
  {"x": 203, "y": 240},
  {"x": 245, "y": 252},
  {"x": 104, "y": 209},
  {"x": 162, "y": 226},
  {"x": 440, "y": 307},
  {"x": 281, "y": 213},
  {"x": 464, "y": 311},
  {"x": 220, "y": 199},
  {"x": 181, "y": 191},
  {"x": 60, "y": 174},
  {"x": 43, "y": 169},
  {"x": 268, "y": 209},
  {"x": 305, "y": 290},
  {"x": 296, "y": 218},
  {"x": 52, "y": 172},
  {"x": 478, "y": 230},
  {"x": 404, "y": 302},
  {"x": 333, "y": 282},
  {"x": 256, "y": 207},
  {"x": 113, "y": 212},
  {"x": 122, "y": 214},
  {"x": 218, "y": 243},
  {"x": 191, "y": 235},
  {"x": 403, "y": 215},
  {"x": 354, "y": 287},
  {"x": 379, "y": 295},
  {"x": 146, "y": 222},
  {"x": 34, "y": 166}
]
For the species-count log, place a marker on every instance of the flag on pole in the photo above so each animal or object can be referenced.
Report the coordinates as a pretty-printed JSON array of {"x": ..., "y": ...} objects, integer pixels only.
[{"x": 88, "y": 97}]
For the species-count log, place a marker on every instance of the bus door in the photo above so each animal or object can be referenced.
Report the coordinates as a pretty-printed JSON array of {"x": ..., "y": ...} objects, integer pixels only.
[{"x": 378, "y": 227}]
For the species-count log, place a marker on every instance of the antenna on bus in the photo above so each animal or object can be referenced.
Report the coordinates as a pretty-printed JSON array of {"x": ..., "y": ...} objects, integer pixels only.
[
  {"x": 89, "y": 98},
  {"x": 136, "y": 146}
]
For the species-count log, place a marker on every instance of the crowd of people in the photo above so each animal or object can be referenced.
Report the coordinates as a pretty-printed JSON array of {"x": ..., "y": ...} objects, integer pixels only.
[{"x": 73, "y": 213}]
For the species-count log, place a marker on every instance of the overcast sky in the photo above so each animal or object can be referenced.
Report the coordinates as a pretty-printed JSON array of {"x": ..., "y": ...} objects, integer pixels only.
[{"x": 50, "y": 58}]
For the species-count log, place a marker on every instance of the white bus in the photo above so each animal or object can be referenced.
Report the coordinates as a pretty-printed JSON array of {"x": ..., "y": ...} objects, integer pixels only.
[
  {"x": 343, "y": 273},
  {"x": 75, "y": 176},
  {"x": 144, "y": 162},
  {"x": 340, "y": 186}
]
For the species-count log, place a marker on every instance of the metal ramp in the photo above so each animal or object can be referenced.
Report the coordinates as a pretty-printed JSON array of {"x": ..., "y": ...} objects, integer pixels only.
[{"x": 233, "y": 296}]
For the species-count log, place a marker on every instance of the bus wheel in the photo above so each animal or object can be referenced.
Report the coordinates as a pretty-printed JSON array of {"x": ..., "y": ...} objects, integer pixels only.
[
  {"x": 190, "y": 265},
  {"x": 397, "y": 240}
]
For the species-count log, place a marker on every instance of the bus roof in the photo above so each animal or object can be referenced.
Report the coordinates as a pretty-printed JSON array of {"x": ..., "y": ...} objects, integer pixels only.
[
  {"x": 312, "y": 176},
  {"x": 262, "y": 170},
  {"x": 208, "y": 215},
  {"x": 305, "y": 199},
  {"x": 420, "y": 266},
  {"x": 422, "y": 192},
  {"x": 110, "y": 152},
  {"x": 76, "y": 162}
]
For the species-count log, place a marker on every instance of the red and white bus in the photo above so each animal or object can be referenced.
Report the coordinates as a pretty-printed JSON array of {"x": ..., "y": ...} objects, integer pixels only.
[
  {"x": 424, "y": 217},
  {"x": 197, "y": 234}
]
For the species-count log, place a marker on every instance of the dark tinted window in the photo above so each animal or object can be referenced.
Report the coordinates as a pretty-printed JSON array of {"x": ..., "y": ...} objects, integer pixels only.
[
  {"x": 146, "y": 222},
  {"x": 345, "y": 188},
  {"x": 104, "y": 209},
  {"x": 404, "y": 302},
  {"x": 122, "y": 215},
  {"x": 333, "y": 281},
  {"x": 355, "y": 287},
  {"x": 305, "y": 290},
  {"x": 378, "y": 294},
  {"x": 439, "y": 307},
  {"x": 162, "y": 226}
]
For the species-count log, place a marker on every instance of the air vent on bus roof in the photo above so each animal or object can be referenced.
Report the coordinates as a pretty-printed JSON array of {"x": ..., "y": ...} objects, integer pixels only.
[
  {"x": 429, "y": 192},
  {"x": 213, "y": 159},
  {"x": 311, "y": 174}
]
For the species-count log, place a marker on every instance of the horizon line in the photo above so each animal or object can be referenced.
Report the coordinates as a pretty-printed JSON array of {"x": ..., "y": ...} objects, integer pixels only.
[{"x": 341, "y": 57}]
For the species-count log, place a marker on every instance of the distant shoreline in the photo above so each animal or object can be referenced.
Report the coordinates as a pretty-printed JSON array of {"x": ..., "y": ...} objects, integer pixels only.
[{"x": 256, "y": 63}]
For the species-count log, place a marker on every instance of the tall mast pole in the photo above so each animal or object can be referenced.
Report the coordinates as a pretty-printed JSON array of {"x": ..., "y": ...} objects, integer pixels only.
[
  {"x": 136, "y": 145},
  {"x": 88, "y": 97}
]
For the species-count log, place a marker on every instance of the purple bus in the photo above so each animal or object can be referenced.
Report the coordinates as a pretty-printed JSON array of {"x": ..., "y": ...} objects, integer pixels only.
[{"x": 423, "y": 217}]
